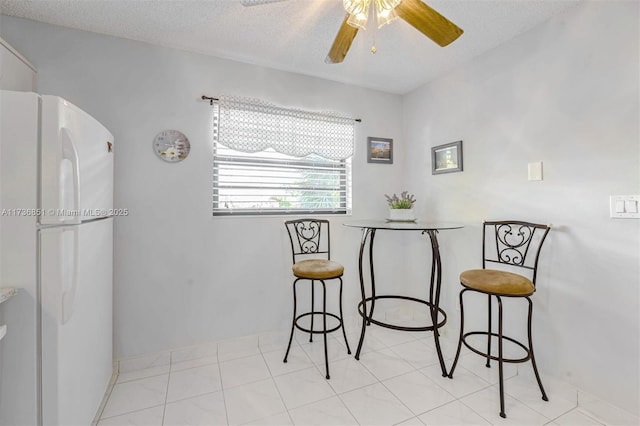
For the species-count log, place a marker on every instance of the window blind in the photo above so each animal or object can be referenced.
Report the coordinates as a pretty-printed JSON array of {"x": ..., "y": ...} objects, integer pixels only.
[{"x": 266, "y": 162}]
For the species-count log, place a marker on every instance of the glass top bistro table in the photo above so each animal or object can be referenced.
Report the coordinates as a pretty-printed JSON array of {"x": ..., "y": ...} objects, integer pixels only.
[{"x": 438, "y": 315}]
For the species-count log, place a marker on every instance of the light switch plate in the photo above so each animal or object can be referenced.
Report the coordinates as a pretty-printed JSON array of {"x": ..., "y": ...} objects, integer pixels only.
[
  {"x": 535, "y": 170},
  {"x": 624, "y": 206}
]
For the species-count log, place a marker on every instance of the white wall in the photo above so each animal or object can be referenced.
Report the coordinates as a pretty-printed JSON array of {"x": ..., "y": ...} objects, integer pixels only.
[
  {"x": 181, "y": 275},
  {"x": 16, "y": 73},
  {"x": 566, "y": 94}
]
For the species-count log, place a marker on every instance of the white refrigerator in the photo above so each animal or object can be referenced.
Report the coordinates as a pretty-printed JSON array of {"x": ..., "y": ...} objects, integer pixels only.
[{"x": 56, "y": 245}]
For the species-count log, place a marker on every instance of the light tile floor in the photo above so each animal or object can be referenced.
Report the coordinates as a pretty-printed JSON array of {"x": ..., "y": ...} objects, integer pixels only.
[{"x": 396, "y": 382}]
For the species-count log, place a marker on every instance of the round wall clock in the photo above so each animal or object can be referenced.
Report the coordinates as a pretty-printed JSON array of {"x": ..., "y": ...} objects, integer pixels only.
[{"x": 171, "y": 146}]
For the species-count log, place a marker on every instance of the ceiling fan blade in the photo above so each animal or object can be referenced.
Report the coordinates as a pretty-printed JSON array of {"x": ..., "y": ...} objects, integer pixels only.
[
  {"x": 429, "y": 22},
  {"x": 342, "y": 43}
]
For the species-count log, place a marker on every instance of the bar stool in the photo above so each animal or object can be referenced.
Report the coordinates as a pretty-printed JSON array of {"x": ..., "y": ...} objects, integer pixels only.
[
  {"x": 310, "y": 247},
  {"x": 515, "y": 245}
]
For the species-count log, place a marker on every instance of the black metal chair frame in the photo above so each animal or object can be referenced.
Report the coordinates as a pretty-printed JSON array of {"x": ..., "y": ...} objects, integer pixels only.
[
  {"x": 306, "y": 237},
  {"x": 513, "y": 241}
]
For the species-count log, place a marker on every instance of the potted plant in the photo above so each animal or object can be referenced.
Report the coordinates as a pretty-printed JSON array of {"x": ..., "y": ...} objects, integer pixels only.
[{"x": 401, "y": 208}]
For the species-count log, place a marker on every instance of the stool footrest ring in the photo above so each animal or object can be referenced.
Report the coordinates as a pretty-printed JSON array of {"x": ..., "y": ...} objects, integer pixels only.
[
  {"x": 329, "y": 330},
  {"x": 527, "y": 357}
]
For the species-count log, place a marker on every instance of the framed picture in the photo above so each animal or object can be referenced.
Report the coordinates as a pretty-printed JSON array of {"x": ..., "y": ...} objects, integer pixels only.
[
  {"x": 379, "y": 150},
  {"x": 446, "y": 158}
]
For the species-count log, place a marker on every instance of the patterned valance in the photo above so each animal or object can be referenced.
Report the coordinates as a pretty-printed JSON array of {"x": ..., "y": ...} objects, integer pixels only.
[{"x": 249, "y": 125}]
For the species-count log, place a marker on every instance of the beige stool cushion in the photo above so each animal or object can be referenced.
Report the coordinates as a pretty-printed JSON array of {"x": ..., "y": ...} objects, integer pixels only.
[
  {"x": 317, "y": 269},
  {"x": 497, "y": 282}
]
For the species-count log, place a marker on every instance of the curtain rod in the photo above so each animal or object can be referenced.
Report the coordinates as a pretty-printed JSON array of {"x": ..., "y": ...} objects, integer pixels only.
[{"x": 211, "y": 100}]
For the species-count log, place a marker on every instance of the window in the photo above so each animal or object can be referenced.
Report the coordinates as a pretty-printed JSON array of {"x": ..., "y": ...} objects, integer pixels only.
[{"x": 271, "y": 160}]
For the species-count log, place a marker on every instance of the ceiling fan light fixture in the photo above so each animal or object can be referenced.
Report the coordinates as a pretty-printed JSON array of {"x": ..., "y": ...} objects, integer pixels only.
[
  {"x": 385, "y": 16},
  {"x": 358, "y": 21},
  {"x": 356, "y": 7},
  {"x": 358, "y": 11},
  {"x": 385, "y": 11}
]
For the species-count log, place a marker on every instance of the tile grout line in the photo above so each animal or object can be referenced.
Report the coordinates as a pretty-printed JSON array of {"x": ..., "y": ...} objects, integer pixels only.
[
  {"x": 166, "y": 395},
  {"x": 131, "y": 412},
  {"x": 590, "y": 416},
  {"x": 127, "y": 412},
  {"x": 222, "y": 389},
  {"x": 471, "y": 408},
  {"x": 552, "y": 419},
  {"x": 347, "y": 407},
  {"x": 459, "y": 398},
  {"x": 398, "y": 398},
  {"x": 319, "y": 369},
  {"x": 440, "y": 388},
  {"x": 275, "y": 384},
  {"x": 106, "y": 399}
]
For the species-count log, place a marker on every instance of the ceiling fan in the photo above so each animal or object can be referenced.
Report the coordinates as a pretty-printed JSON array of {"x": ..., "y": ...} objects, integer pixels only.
[{"x": 419, "y": 15}]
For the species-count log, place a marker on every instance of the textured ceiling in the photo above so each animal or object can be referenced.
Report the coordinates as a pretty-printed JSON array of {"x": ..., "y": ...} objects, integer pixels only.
[{"x": 295, "y": 35}]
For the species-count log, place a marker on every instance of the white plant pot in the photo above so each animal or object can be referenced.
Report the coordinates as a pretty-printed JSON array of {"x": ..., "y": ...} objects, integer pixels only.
[{"x": 401, "y": 215}]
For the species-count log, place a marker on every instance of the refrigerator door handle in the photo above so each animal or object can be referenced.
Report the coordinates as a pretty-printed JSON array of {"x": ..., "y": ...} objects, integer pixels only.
[
  {"x": 69, "y": 152},
  {"x": 69, "y": 294}
]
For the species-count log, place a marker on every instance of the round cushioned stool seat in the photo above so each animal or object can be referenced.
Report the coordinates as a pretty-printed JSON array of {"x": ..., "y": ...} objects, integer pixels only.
[
  {"x": 317, "y": 269},
  {"x": 496, "y": 282}
]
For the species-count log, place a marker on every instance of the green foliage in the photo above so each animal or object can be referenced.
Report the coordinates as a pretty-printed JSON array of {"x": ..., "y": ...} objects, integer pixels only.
[
  {"x": 319, "y": 198},
  {"x": 405, "y": 201},
  {"x": 282, "y": 202}
]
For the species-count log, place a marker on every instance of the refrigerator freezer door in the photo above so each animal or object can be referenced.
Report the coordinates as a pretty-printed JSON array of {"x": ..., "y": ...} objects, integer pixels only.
[
  {"x": 76, "y": 288},
  {"x": 77, "y": 165}
]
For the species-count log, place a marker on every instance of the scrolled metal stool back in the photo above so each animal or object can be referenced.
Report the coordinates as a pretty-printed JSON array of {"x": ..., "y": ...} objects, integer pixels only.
[
  {"x": 513, "y": 242},
  {"x": 309, "y": 237}
]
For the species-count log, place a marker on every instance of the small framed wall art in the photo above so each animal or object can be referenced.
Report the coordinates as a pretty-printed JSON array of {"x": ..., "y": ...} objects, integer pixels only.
[
  {"x": 379, "y": 150},
  {"x": 446, "y": 158}
]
